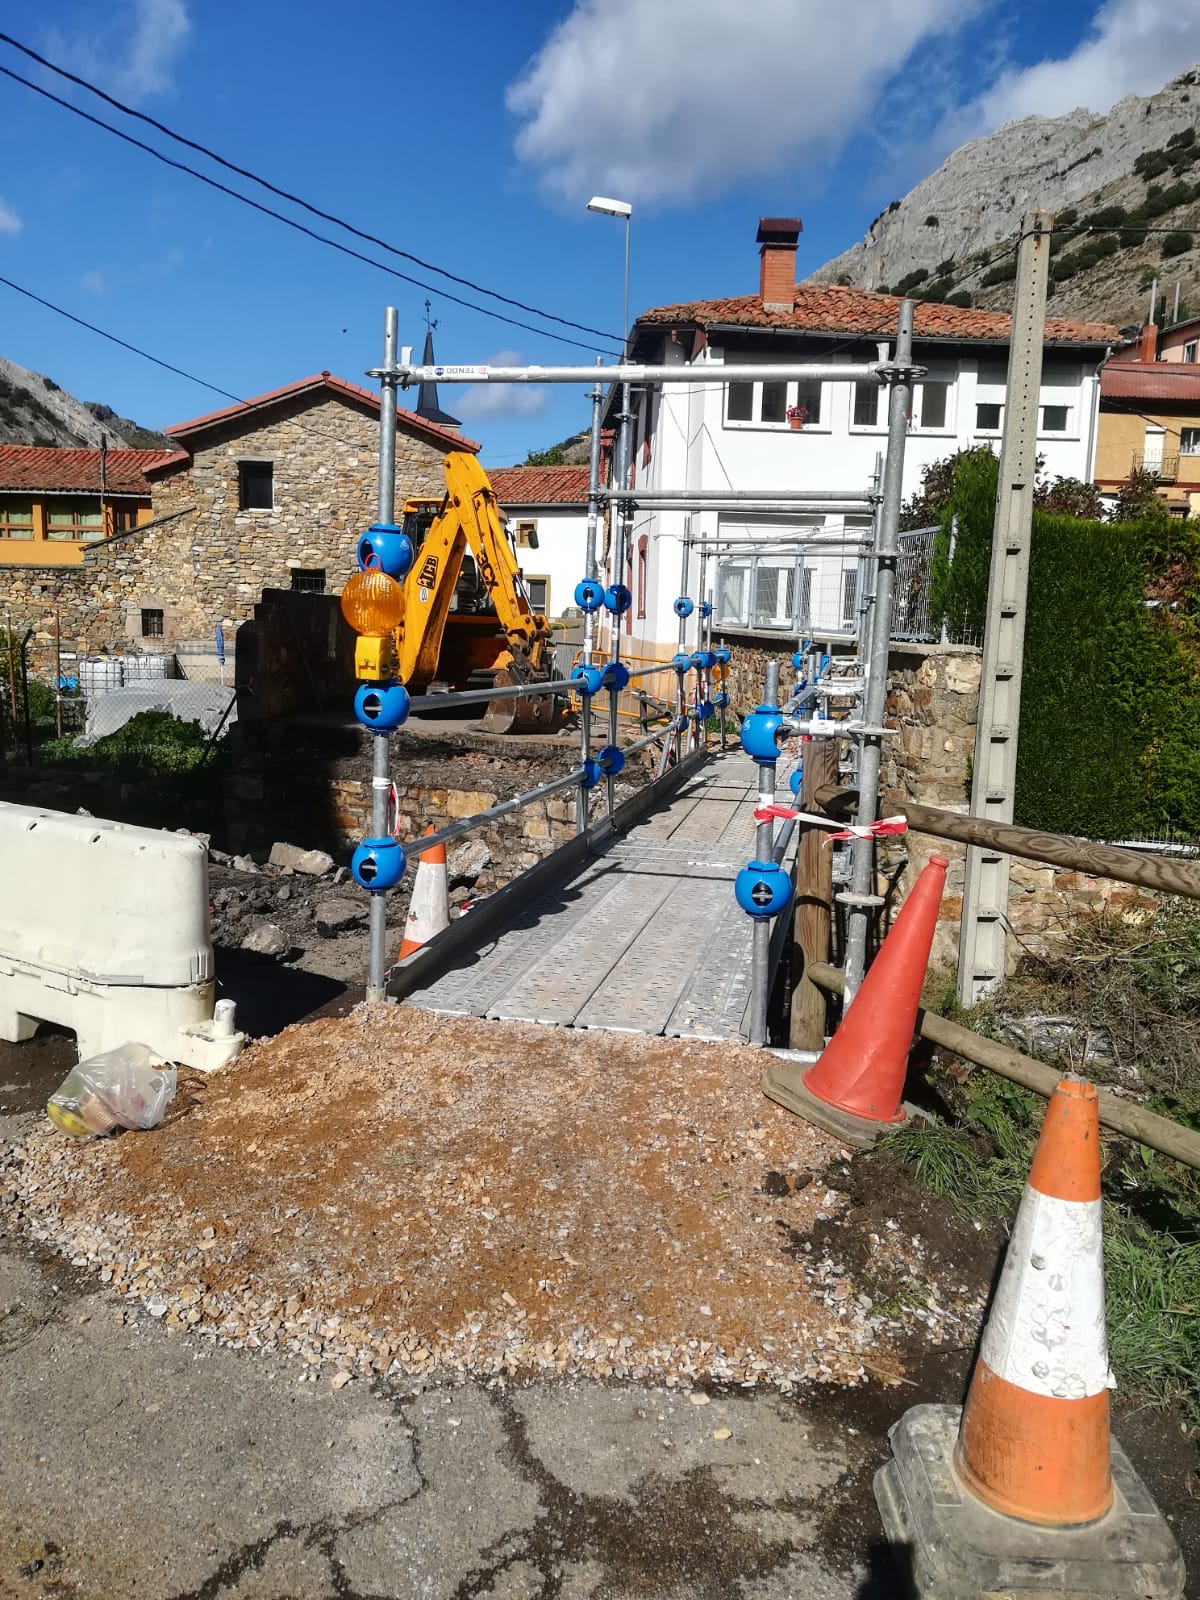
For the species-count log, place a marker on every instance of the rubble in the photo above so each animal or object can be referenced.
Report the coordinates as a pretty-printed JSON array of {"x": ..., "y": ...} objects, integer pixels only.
[
  {"x": 339, "y": 916},
  {"x": 267, "y": 940},
  {"x": 395, "y": 1193},
  {"x": 312, "y": 863}
]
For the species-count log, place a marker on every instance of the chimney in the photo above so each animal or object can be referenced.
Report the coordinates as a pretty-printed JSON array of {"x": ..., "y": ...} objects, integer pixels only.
[
  {"x": 1148, "y": 343},
  {"x": 777, "y": 238}
]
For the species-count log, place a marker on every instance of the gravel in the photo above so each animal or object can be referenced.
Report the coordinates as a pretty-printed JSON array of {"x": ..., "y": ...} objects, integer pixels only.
[{"x": 395, "y": 1193}]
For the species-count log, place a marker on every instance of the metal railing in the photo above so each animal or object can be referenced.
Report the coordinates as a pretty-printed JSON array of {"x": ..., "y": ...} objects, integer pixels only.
[{"x": 1165, "y": 467}]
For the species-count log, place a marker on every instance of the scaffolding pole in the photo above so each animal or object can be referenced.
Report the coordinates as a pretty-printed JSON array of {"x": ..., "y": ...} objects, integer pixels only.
[{"x": 381, "y": 749}]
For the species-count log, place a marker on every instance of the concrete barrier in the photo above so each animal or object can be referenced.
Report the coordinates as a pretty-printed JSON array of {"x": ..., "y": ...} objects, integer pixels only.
[{"x": 104, "y": 930}]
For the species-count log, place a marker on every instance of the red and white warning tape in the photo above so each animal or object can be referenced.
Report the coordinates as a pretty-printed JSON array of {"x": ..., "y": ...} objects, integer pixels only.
[{"x": 876, "y": 830}]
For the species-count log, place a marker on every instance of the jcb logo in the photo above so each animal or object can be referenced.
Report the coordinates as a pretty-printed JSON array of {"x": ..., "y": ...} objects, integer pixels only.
[{"x": 427, "y": 576}]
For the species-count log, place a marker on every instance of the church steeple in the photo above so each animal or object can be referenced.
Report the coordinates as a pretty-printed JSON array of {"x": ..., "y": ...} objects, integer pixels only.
[{"x": 427, "y": 397}]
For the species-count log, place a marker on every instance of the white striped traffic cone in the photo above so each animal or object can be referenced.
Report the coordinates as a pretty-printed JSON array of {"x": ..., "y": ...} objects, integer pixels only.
[{"x": 429, "y": 907}]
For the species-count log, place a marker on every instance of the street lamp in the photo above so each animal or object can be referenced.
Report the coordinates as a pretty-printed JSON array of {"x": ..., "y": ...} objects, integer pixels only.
[{"x": 617, "y": 208}]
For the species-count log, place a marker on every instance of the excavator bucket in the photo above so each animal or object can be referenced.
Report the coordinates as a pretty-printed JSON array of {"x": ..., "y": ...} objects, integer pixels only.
[{"x": 521, "y": 714}]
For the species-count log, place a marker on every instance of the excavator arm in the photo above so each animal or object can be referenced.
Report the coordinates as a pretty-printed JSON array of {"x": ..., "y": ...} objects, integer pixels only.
[{"x": 469, "y": 520}]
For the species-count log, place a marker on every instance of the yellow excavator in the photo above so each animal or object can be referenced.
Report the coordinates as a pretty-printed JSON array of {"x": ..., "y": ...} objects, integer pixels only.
[{"x": 468, "y": 622}]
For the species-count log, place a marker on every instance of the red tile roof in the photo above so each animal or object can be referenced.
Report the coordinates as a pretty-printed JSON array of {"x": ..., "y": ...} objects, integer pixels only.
[
  {"x": 821, "y": 308},
  {"x": 1161, "y": 381},
  {"x": 43, "y": 470},
  {"x": 539, "y": 486},
  {"x": 186, "y": 432}
]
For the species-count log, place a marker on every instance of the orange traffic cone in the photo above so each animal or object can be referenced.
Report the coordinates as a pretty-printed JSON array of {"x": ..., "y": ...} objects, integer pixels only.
[
  {"x": 1025, "y": 1490},
  {"x": 1034, "y": 1440},
  {"x": 855, "y": 1087},
  {"x": 429, "y": 907}
]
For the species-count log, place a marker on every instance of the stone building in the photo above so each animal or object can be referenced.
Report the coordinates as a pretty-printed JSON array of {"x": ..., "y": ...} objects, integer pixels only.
[{"x": 270, "y": 493}]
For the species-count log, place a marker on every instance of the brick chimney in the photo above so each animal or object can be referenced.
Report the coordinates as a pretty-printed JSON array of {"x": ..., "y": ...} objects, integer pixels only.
[
  {"x": 1148, "y": 343},
  {"x": 777, "y": 238}
]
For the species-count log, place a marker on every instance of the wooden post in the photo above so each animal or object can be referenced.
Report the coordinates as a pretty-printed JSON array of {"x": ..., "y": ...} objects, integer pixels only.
[{"x": 814, "y": 903}]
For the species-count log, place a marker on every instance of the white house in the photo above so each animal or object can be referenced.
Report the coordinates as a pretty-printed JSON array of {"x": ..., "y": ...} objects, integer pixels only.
[
  {"x": 712, "y": 436},
  {"x": 547, "y": 517}
]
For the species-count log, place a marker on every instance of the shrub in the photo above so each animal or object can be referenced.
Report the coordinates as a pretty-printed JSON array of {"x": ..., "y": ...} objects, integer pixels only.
[
  {"x": 910, "y": 280},
  {"x": 1176, "y": 243},
  {"x": 151, "y": 741},
  {"x": 1151, "y": 163},
  {"x": 1003, "y": 272},
  {"x": 1180, "y": 140},
  {"x": 1067, "y": 217},
  {"x": 1063, "y": 267},
  {"x": 937, "y": 288},
  {"x": 960, "y": 297},
  {"x": 931, "y": 221},
  {"x": 1106, "y": 217},
  {"x": 944, "y": 268}
]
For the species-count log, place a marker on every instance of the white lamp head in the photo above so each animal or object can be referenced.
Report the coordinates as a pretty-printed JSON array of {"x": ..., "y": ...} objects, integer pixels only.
[{"x": 610, "y": 208}]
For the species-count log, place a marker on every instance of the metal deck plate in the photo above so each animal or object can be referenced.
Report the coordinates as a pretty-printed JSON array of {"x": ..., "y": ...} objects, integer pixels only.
[{"x": 645, "y": 938}]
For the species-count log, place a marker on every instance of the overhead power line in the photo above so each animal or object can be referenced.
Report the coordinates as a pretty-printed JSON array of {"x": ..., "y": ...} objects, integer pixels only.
[{"x": 299, "y": 227}]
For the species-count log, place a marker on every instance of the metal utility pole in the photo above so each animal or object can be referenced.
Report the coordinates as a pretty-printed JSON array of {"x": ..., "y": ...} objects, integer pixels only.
[
  {"x": 985, "y": 889},
  {"x": 862, "y": 901},
  {"x": 381, "y": 771}
]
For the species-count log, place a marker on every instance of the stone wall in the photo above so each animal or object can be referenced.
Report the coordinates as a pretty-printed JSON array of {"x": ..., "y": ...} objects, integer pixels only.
[{"x": 203, "y": 561}]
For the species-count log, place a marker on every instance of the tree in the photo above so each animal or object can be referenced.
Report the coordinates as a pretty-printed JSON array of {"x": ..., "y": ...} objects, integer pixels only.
[
  {"x": 1176, "y": 243},
  {"x": 1138, "y": 499},
  {"x": 1070, "y": 497}
]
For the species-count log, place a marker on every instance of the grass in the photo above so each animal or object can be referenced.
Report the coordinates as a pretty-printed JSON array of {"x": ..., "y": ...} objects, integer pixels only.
[{"x": 1140, "y": 986}]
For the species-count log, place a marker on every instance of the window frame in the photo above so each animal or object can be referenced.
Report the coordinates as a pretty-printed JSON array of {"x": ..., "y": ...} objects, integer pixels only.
[
  {"x": 8, "y": 523},
  {"x": 1189, "y": 351},
  {"x": 861, "y": 386},
  {"x": 991, "y": 429},
  {"x": 73, "y": 532},
  {"x": 528, "y": 579},
  {"x": 791, "y": 397},
  {"x": 150, "y": 631},
  {"x": 946, "y": 425},
  {"x": 258, "y": 463},
  {"x": 1044, "y": 427},
  {"x": 310, "y": 573}
]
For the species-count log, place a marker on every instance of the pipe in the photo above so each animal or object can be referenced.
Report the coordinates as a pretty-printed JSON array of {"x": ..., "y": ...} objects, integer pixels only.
[
  {"x": 733, "y": 497},
  {"x": 764, "y": 850},
  {"x": 454, "y": 830},
  {"x": 381, "y": 766},
  {"x": 593, "y": 515},
  {"x": 620, "y": 536},
  {"x": 1121, "y": 1116},
  {"x": 858, "y": 910},
  {"x": 698, "y": 374}
]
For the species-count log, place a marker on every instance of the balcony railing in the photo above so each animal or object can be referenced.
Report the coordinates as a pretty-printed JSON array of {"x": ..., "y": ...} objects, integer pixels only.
[{"x": 1164, "y": 467}]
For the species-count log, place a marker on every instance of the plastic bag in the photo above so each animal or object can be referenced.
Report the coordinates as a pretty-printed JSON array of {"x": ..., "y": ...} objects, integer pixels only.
[{"x": 129, "y": 1087}]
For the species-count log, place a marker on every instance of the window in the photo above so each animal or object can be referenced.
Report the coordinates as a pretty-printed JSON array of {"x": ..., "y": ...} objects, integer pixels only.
[
  {"x": 538, "y": 590},
  {"x": 1189, "y": 441},
  {"x": 987, "y": 416},
  {"x": 808, "y": 399},
  {"x": 933, "y": 404},
  {"x": 124, "y": 518},
  {"x": 527, "y": 538},
  {"x": 152, "y": 623},
  {"x": 767, "y": 404},
  {"x": 1189, "y": 350},
  {"x": 16, "y": 519},
  {"x": 774, "y": 402},
  {"x": 740, "y": 403},
  {"x": 804, "y": 619},
  {"x": 308, "y": 580},
  {"x": 849, "y": 592},
  {"x": 643, "y": 543},
  {"x": 866, "y": 405},
  {"x": 74, "y": 519},
  {"x": 1055, "y": 419},
  {"x": 256, "y": 485}
]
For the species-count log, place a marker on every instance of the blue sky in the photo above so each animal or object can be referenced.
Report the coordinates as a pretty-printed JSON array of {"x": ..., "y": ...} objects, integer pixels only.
[{"x": 473, "y": 136}]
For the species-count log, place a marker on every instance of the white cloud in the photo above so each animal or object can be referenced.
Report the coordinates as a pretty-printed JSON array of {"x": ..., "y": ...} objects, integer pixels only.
[
  {"x": 482, "y": 400},
  {"x": 93, "y": 282},
  {"x": 677, "y": 100},
  {"x": 10, "y": 222},
  {"x": 1132, "y": 47},
  {"x": 132, "y": 54}
]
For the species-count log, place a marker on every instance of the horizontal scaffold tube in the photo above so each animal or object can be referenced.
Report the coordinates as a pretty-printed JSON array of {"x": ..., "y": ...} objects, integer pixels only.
[
  {"x": 454, "y": 830},
  {"x": 1056, "y": 849},
  {"x": 704, "y": 372},
  {"x": 734, "y": 497},
  {"x": 1121, "y": 1116}
]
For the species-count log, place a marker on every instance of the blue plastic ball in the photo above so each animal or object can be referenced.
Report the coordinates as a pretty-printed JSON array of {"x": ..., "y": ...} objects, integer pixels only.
[
  {"x": 758, "y": 734},
  {"x": 795, "y": 780},
  {"x": 617, "y": 599},
  {"x": 382, "y": 705},
  {"x": 386, "y": 548},
  {"x": 589, "y": 594},
  {"x": 724, "y": 655},
  {"x": 763, "y": 889},
  {"x": 683, "y": 606},
  {"x": 706, "y": 609},
  {"x": 615, "y": 675},
  {"x": 378, "y": 865},
  {"x": 591, "y": 773},
  {"x": 587, "y": 680},
  {"x": 681, "y": 661},
  {"x": 721, "y": 699},
  {"x": 611, "y": 760}
]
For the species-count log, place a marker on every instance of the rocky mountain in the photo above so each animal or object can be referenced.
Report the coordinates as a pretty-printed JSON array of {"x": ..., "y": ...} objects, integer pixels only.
[
  {"x": 34, "y": 410},
  {"x": 1107, "y": 180}
]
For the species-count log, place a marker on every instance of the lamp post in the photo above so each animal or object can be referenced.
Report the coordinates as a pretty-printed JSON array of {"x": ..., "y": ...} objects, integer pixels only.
[{"x": 617, "y": 208}]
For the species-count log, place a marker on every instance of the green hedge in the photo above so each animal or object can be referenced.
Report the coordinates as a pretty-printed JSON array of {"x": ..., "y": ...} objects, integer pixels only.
[{"x": 1109, "y": 741}]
